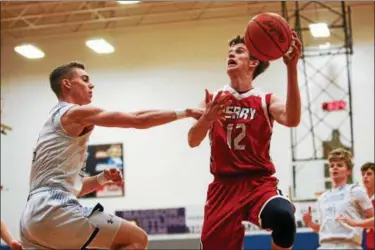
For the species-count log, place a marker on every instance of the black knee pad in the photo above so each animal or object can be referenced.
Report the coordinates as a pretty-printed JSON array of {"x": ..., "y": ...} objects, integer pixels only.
[{"x": 278, "y": 215}]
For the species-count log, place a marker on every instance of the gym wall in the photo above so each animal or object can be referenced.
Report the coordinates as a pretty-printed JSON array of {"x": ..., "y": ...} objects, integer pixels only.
[{"x": 157, "y": 67}]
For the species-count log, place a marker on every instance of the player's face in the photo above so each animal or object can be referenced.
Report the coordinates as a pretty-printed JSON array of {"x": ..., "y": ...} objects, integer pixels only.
[
  {"x": 81, "y": 87},
  {"x": 368, "y": 178},
  {"x": 238, "y": 60},
  {"x": 338, "y": 170}
]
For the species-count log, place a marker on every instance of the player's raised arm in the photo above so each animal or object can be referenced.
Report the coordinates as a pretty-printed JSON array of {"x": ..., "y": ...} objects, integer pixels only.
[
  {"x": 214, "y": 109},
  {"x": 289, "y": 113},
  {"x": 87, "y": 116}
]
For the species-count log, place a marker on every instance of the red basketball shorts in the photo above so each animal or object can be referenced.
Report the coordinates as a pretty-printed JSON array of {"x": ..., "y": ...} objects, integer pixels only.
[{"x": 229, "y": 202}]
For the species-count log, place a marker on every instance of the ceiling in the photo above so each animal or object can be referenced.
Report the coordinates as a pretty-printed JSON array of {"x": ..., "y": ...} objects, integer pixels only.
[{"x": 20, "y": 20}]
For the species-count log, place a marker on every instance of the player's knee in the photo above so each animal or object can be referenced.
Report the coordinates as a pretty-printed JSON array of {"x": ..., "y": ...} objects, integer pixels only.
[
  {"x": 284, "y": 232},
  {"x": 142, "y": 241},
  {"x": 278, "y": 215},
  {"x": 131, "y": 236}
]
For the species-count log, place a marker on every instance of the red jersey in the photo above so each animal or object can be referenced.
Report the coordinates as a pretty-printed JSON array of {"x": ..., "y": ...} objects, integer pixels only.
[
  {"x": 370, "y": 232},
  {"x": 241, "y": 143}
]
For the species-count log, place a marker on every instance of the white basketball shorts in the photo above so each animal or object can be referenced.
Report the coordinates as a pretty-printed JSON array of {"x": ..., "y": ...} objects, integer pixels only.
[
  {"x": 54, "y": 219},
  {"x": 339, "y": 245}
]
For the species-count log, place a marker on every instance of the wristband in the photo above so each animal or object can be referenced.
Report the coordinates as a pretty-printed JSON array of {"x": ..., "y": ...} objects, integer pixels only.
[
  {"x": 101, "y": 179},
  {"x": 180, "y": 114}
]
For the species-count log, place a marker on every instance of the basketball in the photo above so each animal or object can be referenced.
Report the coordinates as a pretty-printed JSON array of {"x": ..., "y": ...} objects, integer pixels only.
[{"x": 268, "y": 36}]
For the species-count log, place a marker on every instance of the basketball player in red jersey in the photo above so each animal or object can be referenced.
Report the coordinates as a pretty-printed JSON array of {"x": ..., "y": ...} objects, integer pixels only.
[
  {"x": 243, "y": 188},
  {"x": 368, "y": 181}
]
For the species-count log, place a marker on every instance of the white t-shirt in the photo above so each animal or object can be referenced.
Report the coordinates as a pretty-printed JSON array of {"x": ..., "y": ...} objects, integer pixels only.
[{"x": 349, "y": 200}]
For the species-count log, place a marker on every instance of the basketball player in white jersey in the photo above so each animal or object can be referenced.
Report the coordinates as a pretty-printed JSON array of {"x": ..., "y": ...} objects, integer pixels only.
[
  {"x": 53, "y": 218},
  {"x": 367, "y": 170},
  {"x": 4, "y": 232},
  {"x": 343, "y": 199}
]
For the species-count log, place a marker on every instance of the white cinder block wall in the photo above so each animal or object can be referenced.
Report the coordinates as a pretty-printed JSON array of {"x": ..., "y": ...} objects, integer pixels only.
[{"x": 164, "y": 67}]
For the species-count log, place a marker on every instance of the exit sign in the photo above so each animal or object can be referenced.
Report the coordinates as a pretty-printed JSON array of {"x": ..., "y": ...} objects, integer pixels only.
[{"x": 334, "y": 106}]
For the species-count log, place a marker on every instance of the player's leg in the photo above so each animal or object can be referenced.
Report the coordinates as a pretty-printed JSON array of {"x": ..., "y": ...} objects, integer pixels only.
[
  {"x": 224, "y": 232},
  {"x": 116, "y": 233},
  {"x": 278, "y": 216},
  {"x": 109, "y": 232},
  {"x": 222, "y": 228},
  {"x": 271, "y": 211},
  {"x": 129, "y": 236},
  {"x": 70, "y": 227}
]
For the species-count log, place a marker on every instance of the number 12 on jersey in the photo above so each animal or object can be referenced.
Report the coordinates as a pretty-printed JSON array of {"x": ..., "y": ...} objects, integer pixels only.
[{"x": 235, "y": 144}]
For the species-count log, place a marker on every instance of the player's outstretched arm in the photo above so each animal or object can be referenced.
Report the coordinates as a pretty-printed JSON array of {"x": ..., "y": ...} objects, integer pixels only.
[
  {"x": 367, "y": 223},
  {"x": 289, "y": 113},
  {"x": 87, "y": 116},
  {"x": 214, "y": 109}
]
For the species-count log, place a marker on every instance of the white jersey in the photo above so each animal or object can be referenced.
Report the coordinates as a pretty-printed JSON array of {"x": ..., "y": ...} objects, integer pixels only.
[
  {"x": 349, "y": 200},
  {"x": 59, "y": 159},
  {"x": 53, "y": 218}
]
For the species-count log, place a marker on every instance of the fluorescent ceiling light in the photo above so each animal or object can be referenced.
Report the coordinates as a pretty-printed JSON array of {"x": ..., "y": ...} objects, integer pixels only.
[
  {"x": 319, "y": 30},
  {"x": 100, "y": 46},
  {"x": 128, "y": 2},
  {"x": 326, "y": 45},
  {"x": 29, "y": 51}
]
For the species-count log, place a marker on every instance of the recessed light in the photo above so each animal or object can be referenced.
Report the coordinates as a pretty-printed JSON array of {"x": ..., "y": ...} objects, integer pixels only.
[
  {"x": 29, "y": 51},
  {"x": 128, "y": 2},
  {"x": 100, "y": 46}
]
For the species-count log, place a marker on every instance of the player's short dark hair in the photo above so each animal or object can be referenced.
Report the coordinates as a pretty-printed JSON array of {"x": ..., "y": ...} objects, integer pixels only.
[
  {"x": 262, "y": 66},
  {"x": 367, "y": 166},
  {"x": 61, "y": 72}
]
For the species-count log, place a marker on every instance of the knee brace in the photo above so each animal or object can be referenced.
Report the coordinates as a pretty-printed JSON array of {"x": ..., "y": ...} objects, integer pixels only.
[{"x": 278, "y": 215}]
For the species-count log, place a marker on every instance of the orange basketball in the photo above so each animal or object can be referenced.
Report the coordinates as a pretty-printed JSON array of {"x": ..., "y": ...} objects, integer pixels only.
[{"x": 268, "y": 36}]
